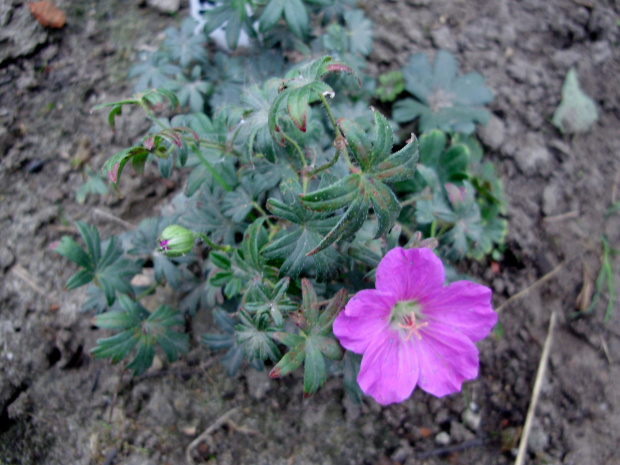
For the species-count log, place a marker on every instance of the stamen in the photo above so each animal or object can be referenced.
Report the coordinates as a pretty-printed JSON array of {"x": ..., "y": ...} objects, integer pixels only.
[{"x": 412, "y": 327}]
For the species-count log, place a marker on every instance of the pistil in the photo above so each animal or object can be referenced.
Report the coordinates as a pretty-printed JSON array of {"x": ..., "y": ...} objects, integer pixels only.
[{"x": 411, "y": 326}]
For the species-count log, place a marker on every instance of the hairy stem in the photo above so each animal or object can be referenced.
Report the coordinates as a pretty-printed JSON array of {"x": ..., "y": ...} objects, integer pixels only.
[
  {"x": 210, "y": 168},
  {"x": 213, "y": 245}
]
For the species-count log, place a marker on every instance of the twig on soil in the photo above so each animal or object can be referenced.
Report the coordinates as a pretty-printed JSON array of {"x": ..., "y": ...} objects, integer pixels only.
[
  {"x": 111, "y": 217},
  {"x": 64, "y": 229},
  {"x": 23, "y": 274},
  {"x": 561, "y": 217},
  {"x": 118, "y": 388},
  {"x": 207, "y": 433},
  {"x": 540, "y": 374},
  {"x": 450, "y": 449},
  {"x": 190, "y": 372},
  {"x": 532, "y": 286},
  {"x": 606, "y": 350}
]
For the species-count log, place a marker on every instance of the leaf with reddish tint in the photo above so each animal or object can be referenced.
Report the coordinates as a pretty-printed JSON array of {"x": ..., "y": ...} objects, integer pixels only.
[
  {"x": 297, "y": 93},
  {"x": 314, "y": 342},
  {"x": 359, "y": 191},
  {"x": 114, "y": 166}
]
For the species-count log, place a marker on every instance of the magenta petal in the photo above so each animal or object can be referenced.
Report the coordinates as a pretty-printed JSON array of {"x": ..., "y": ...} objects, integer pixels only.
[
  {"x": 364, "y": 316},
  {"x": 464, "y": 305},
  {"x": 389, "y": 370},
  {"x": 446, "y": 358},
  {"x": 410, "y": 274}
]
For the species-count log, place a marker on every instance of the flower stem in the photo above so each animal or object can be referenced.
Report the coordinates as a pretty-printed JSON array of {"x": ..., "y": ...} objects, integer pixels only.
[
  {"x": 210, "y": 168},
  {"x": 213, "y": 245}
]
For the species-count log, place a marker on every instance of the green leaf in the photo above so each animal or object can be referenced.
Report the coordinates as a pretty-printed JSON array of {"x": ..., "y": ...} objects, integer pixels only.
[
  {"x": 360, "y": 32},
  {"x": 577, "y": 112},
  {"x": 91, "y": 239},
  {"x": 300, "y": 89},
  {"x": 143, "y": 329},
  {"x": 184, "y": 46},
  {"x": 444, "y": 101},
  {"x": 255, "y": 335},
  {"x": 306, "y": 232},
  {"x": 296, "y": 17},
  {"x": 114, "y": 166},
  {"x": 314, "y": 341},
  {"x": 79, "y": 279},
  {"x": 274, "y": 301},
  {"x": 357, "y": 192},
  {"x": 271, "y": 15},
  {"x": 70, "y": 249}
]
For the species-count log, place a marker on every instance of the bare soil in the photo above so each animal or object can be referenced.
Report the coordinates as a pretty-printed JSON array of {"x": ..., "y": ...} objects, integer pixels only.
[{"x": 56, "y": 402}]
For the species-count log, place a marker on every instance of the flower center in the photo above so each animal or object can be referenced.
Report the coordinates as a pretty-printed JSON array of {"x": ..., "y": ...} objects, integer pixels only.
[{"x": 405, "y": 316}]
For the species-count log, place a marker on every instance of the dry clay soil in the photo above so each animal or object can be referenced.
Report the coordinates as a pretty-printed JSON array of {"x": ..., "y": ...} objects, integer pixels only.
[{"x": 56, "y": 402}]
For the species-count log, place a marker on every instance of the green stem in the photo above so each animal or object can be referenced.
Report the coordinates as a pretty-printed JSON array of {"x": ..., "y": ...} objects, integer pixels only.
[
  {"x": 291, "y": 141},
  {"x": 411, "y": 200},
  {"x": 263, "y": 213},
  {"x": 339, "y": 136},
  {"x": 213, "y": 245},
  {"x": 326, "y": 166},
  {"x": 329, "y": 113},
  {"x": 146, "y": 292},
  {"x": 210, "y": 168},
  {"x": 433, "y": 228}
]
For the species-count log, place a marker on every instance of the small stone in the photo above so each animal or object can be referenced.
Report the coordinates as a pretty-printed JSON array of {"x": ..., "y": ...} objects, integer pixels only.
[
  {"x": 459, "y": 432},
  {"x": 533, "y": 156},
  {"x": 442, "y": 416},
  {"x": 538, "y": 439},
  {"x": 6, "y": 140},
  {"x": 493, "y": 134},
  {"x": 165, "y": 6},
  {"x": 403, "y": 452},
  {"x": 551, "y": 199},
  {"x": 564, "y": 59},
  {"x": 442, "y": 38},
  {"x": 472, "y": 419},
  {"x": 601, "y": 52},
  {"x": 259, "y": 383},
  {"x": 6, "y": 258},
  {"x": 443, "y": 439}
]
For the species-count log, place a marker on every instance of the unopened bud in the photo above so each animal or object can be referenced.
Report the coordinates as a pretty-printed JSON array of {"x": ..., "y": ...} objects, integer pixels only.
[{"x": 176, "y": 240}]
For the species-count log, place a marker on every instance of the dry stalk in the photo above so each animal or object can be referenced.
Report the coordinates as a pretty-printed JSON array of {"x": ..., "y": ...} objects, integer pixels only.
[
  {"x": 540, "y": 375},
  {"x": 532, "y": 286},
  {"x": 207, "y": 433}
]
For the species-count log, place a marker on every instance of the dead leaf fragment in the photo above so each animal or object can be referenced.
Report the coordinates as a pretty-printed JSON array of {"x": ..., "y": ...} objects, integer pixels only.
[{"x": 47, "y": 14}]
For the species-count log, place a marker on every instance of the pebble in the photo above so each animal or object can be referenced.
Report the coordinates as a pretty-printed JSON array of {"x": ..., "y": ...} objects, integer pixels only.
[
  {"x": 443, "y": 439},
  {"x": 459, "y": 432},
  {"x": 442, "y": 38},
  {"x": 551, "y": 199},
  {"x": 6, "y": 258},
  {"x": 533, "y": 156},
  {"x": 538, "y": 440},
  {"x": 564, "y": 59},
  {"x": 403, "y": 452},
  {"x": 600, "y": 52},
  {"x": 258, "y": 383},
  {"x": 493, "y": 134},
  {"x": 165, "y": 6},
  {"x": 472, "y": 419}
]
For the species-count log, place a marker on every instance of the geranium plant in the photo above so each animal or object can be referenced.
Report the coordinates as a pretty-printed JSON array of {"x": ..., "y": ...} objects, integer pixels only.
[{"x": 290, "y": 211}]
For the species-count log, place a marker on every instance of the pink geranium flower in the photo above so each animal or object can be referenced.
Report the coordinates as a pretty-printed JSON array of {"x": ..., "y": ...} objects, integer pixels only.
[{"x": 412, "y": 330}]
